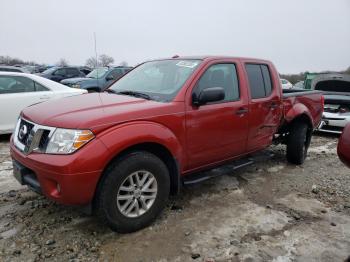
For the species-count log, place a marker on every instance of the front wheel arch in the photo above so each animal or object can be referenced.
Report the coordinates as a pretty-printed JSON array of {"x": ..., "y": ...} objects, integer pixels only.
[{"x": 158, "y": 150}]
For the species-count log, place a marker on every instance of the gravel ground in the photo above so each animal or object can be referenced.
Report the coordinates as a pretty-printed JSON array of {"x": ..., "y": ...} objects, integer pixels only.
[{"x": 269, "y": 211}]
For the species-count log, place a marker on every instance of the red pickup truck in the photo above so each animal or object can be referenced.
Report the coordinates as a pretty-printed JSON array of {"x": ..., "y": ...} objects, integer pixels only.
[{"x": 124, "y": 151}]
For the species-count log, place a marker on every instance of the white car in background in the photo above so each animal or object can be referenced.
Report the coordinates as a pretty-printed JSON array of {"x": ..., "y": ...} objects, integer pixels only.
[
  {"x": 19, "y": 90},
  {"x": 286, "y": 84}
]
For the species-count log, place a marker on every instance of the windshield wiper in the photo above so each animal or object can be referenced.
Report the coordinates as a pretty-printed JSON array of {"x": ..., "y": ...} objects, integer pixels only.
[
  {"x": 111, "y": 91},
  {"x": 132, "y": 93}
]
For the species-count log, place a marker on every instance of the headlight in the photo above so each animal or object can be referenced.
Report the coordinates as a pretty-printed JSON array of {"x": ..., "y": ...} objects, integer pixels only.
[
  {"x": 66, "y": 141},
  {"x": 75, "y": 86}
]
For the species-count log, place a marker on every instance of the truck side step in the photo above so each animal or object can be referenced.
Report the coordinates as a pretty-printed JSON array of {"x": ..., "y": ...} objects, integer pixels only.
[{"x": 218, "y": 171}]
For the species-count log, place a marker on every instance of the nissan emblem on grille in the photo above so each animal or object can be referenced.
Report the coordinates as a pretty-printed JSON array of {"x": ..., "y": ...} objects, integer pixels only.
[{"x": 22, "y": 132}]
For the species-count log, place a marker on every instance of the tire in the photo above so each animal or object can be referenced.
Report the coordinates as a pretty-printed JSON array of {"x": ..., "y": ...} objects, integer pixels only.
[
  {"x": 116, "y": 186},
  {"x": 298, "y": 142}
]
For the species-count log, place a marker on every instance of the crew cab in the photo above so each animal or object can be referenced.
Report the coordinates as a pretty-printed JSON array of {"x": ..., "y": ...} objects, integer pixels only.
[{"x": 122, "y": 152}]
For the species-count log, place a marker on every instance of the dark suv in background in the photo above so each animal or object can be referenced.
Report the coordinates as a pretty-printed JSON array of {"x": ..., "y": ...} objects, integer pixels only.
[
  {"x": 59, "y": 73},
  {"x": 98, "y": 79}
]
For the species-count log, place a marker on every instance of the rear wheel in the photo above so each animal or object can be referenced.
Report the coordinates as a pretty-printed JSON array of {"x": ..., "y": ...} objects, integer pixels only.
[
  {"x": 298, "y": 143},
  {"x": 134, "y": 192}
]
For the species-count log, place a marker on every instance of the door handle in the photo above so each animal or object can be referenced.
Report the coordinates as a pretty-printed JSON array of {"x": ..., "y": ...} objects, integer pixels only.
[{"x": 241, "y": 111}]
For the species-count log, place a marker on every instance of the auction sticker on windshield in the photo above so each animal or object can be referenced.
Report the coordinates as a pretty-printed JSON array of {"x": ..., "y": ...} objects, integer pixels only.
[{"x": 188, "y": 64}]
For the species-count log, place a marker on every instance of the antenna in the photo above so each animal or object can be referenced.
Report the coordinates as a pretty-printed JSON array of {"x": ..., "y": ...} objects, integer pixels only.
[
  {"x": 96, "y": 65},
  {"x": 95, "y": 48}
]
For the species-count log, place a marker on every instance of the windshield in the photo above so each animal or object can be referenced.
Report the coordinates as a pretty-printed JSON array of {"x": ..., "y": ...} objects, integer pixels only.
[
  {"x": 97, "y": 73},
  {"x": 160, "y": 80}
]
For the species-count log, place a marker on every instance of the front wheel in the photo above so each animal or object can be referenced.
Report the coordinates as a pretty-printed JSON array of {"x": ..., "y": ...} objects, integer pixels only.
[
  {"x": 134, "y": 192},
  {"x": 298, "y": 142}
]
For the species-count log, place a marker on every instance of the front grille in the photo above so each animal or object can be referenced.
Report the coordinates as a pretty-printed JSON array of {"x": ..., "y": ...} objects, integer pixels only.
[
  {"x": 44, "y": 140},
  {"x": 24, "y": 131},
  {"x": 31, "y": 137}
]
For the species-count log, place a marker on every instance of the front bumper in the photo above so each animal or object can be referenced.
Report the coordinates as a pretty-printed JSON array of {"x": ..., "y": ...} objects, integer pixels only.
[
  {"x": 66, "y": 179},
  {"x": 333, "y": 123}
]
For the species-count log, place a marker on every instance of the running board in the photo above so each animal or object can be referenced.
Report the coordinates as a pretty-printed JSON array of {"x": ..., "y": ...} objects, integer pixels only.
[{"x": 202, "y": 176}]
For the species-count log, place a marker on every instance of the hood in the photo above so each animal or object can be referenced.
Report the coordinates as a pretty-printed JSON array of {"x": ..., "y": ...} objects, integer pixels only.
[
  {"x": 73, "y": 80},
  {"x": 94, "y": 111}
]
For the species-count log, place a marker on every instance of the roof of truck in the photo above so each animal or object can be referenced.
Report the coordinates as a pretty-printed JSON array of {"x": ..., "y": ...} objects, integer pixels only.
[{"x": 213, "y": 57}]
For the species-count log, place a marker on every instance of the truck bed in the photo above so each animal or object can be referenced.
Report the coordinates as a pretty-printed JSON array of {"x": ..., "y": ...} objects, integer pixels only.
[
  {"x": 302, "y": 101},
  {"x": 298, "y": 92}
]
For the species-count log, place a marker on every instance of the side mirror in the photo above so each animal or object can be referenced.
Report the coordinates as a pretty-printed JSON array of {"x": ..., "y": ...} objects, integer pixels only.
[
  {"x": 109, "y": 78},
  {"x": 207, "y": 95}
]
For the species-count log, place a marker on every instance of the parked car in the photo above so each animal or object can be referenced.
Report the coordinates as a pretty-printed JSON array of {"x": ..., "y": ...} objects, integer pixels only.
[
  {"x": 98, "y": 79},
  {"x": 19, "y": 90},
  {"x": 344, "y": 146},
  {"x": 123, "y": 151},
  {"x": 13, "y": 69},
  {"x": 57, "y": 74},
  {"x": 86, "y": 70},
  {"x": 286, "y": 84},
  {"x": 336, "y": 89},
  {"x": 299, "y": 84}
]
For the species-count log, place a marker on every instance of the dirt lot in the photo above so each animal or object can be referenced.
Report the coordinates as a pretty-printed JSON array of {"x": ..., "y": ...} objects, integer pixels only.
[{"x": 269, "y": 211}]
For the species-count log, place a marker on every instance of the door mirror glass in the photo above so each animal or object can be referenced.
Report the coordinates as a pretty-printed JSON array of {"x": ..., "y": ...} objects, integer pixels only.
[{"x": 208, "y": 95}]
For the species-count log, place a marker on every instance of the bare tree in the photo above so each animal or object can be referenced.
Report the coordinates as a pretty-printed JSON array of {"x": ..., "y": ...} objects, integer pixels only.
[
  {"x": 62, "y": 62},
  {"x": 7, "y": 60},
  {"x": 105, "y": 60},
  {"x": 123, "y": 63},
  {"x": 92, "y": 62}
]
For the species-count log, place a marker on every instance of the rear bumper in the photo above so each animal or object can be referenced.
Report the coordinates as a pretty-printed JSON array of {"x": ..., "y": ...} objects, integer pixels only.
[{"x": 66, "y": 179}]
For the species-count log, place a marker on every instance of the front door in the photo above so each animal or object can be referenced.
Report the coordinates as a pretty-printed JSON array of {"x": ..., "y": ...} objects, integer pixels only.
[{"x": 217, "y": 131}]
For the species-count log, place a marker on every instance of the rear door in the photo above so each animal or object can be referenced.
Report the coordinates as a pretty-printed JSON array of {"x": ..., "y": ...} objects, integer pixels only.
[
  {"x": 264, "y": 105},
  {"x": 217, "y": 131}
]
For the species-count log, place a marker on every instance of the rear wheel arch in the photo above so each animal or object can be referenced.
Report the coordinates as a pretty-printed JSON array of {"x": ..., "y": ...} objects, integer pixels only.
[
  {"x": 303, "y": 118},
  {"x": 298, "y": 139}
]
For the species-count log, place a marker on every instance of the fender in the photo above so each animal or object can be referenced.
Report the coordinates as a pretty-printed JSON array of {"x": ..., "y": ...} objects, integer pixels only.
[
  {"x": 298, "y": 110},
  {"x": 123, "y": 136}
]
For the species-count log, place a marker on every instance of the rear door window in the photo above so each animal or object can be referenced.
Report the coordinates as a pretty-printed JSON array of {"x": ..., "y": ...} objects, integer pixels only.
[{"x": 259, "y": 80}]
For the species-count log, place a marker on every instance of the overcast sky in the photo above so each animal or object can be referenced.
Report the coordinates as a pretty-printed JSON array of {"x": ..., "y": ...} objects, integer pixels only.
[{"x": 297, "y": 35}]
